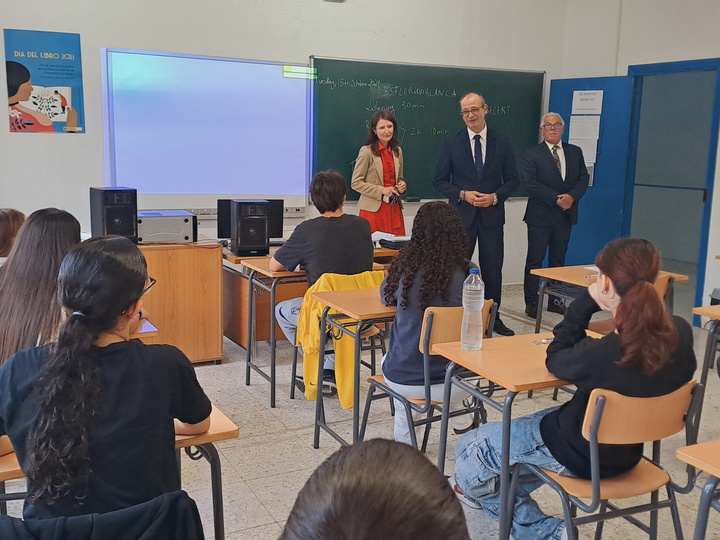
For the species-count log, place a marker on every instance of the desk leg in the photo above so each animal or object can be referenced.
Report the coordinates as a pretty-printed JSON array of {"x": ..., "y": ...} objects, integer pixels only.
[
  {"x": 507, "y": 499},
  {"x": 708, "y": 493},
  {"x": 541, "y": 303},
  {"x": 318, "y": 393},
  {"x": 356, "y": 382},
  {"x": 713, "y": 337},
  {"x": 272, "y": 343},
  {"x": 445, "y": 416},
  {"x": 210, "y": 453},
  {"x": 3, "y": 504},
  {"x": 250, "y": 340}
]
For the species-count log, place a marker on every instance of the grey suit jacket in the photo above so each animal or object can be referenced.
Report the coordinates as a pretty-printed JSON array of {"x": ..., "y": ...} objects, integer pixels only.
[{"x": 367, "y": 177}]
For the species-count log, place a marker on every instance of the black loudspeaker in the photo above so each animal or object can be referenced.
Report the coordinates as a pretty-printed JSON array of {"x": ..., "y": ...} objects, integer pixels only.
[
  {"x": 276, "y": 210},
  {"x": 249, "y": 227},
  {"x": 113, "y": 210}
]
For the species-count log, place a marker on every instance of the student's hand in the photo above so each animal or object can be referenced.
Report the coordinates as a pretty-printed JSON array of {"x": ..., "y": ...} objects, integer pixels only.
[{"x": 607, "y": 300}]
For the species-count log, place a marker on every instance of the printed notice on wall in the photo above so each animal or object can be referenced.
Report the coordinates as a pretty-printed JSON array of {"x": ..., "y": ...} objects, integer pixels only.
[
  {"x": 587, "y": 102},
  {"x": 44, "y": 80}
]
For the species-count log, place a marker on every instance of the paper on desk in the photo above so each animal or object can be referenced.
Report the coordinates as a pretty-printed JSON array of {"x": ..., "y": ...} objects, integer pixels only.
[
  {"x": 378, "y": 235},
  {"x": 592, "y": 268}
]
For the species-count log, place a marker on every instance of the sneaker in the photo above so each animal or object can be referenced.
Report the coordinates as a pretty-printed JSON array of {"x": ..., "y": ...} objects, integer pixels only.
[
  {"x": 329, "y": 386},
  {"x": 460, "y": 495}
]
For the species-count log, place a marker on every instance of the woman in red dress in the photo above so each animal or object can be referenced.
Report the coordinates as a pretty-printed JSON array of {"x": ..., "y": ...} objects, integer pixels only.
[{"x": 378, "y": 176}]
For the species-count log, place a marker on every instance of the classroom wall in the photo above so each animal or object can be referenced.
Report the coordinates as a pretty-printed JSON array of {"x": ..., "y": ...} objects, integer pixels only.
[{"x": 565, "y": 38}]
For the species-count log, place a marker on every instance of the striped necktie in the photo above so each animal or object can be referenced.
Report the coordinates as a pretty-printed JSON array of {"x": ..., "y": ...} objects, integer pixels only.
[{"x": 557, "y": 159}]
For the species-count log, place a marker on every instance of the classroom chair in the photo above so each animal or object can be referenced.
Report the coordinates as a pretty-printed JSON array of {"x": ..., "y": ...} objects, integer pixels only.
[
  {"x": 310, "y": 313},
  {"x": 440, "y": 324},
  {"x": 612, "y": 418},
  {"x": 706, "y": 457}
]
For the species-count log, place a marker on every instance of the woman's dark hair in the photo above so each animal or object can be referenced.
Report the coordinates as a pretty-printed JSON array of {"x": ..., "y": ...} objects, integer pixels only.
[
  {"x": 10, "y": 222},
  {"x": 30, "y": 313},
  {"x": 98, "y": 281},
  {"x": 327, "y": 191},
  {"x": 438, "y": 245},
  {"x": 17, "y": 75},
  {"x": 647, "y": 333},
  {"x": 372, "y": 138},
  {"x": 376, "y": 489}
]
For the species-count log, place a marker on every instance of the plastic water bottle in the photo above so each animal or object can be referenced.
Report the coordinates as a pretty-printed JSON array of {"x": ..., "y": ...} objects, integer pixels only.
[{"x": 473, "y": 299}]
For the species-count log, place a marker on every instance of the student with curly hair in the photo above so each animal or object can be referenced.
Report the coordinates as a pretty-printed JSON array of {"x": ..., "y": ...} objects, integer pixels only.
[
  {"x": 651, "y": 354},
  {"x": 429, "y": 271},
  {"x": 91, "y": 416},
  {"x": 30, "y": 312}
]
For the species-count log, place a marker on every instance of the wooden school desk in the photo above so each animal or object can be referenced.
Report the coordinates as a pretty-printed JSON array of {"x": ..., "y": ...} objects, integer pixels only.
[
  {"x": 196, "y": 446},
  {"x": 365, "y": 307},
  {"x": 575, "y": 278},
  {"x": 249, "y": 313},
  {"x": 706, "y": 457},
  {"x": 513, "y": 363},
  {"x": 713, "y": 339},
  {"x": 185, "y": 303}
]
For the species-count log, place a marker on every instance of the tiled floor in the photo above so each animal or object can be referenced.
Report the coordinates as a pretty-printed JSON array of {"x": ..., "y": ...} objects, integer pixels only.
[{"x": 265, "y": 467}]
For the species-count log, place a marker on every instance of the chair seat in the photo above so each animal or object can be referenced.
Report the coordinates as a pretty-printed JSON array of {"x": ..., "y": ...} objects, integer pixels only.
[
  {"x": 644, "y": 478},
  {"x": 370, "y": 332},
  {"x": 380, "y": 379}
]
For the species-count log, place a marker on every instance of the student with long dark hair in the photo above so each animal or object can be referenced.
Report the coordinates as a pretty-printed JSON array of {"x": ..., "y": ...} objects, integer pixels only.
[
  {"x": 429, "y": 271},
  {"x": 30, "y": 313},
  {"x": 376, "y": 489},
  {"x": 91, "y": 416},
  {"x": 651, "y": 354}
]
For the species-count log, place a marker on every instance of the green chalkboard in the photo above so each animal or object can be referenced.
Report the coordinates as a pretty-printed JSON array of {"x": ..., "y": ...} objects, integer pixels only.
[{"x": 425, "y": 102}]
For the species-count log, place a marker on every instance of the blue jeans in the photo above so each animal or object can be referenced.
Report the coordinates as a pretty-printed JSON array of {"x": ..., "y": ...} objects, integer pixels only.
[
  {"x": 287, "y": 314},
  {"x": 477, "y": 473}
]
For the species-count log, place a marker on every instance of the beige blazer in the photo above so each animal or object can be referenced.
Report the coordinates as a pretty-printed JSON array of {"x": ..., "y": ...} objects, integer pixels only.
[{"x": 367, "y": 177}]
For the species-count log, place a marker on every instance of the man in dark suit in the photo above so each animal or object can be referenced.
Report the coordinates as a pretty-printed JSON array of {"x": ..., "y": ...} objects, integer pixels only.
[
  {"x": 476, "y": 170},
  {"x": 555, "y": 178}
]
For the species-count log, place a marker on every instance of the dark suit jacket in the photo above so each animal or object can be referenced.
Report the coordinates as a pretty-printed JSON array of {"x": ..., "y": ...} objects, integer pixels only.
[
  {"x": 456, "y": 171},
  {"x": 543, "y": 182}
]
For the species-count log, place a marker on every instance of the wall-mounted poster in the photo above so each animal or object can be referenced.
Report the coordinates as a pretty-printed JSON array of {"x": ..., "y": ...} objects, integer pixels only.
[{"x": 44, "y": 82}]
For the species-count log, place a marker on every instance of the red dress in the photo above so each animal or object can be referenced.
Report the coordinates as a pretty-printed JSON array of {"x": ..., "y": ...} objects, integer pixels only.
[{"x": 388, "y": 218}]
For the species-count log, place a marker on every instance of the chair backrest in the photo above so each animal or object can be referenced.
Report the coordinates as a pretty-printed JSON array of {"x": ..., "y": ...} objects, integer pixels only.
[
  {"x": 447, "y": 322},
  {"x": 662, "y": 284},
  {"x": 632, "y": 420}
]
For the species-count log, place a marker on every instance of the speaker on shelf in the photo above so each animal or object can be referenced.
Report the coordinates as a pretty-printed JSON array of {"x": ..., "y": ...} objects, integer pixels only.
[
  {"x": 113, "y": 210},
  {"x": 249, "y": 227}
]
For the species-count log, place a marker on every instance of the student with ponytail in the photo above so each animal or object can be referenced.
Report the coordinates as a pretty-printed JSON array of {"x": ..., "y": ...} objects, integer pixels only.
[
  {"x": 91, "y": 416},
  {"x": 650, "y": 354}
]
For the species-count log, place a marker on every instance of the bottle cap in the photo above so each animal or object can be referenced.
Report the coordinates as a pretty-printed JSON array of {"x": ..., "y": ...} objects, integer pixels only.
[{"x": 474, "y": 271}]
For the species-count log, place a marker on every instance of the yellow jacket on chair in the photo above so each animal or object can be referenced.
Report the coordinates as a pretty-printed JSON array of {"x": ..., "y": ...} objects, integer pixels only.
[{"x": 308, "y": 333}]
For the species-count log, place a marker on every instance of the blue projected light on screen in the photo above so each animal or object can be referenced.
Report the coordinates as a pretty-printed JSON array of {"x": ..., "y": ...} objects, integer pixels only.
[{"x": 189, "y": 125}]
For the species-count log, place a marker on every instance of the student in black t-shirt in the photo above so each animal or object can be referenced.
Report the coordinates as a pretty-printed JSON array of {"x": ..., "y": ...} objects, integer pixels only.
[
  {"x": 651, "y": 354},
  {"x": 335, "y": 243},
  {"x": 93, "y": 417}
]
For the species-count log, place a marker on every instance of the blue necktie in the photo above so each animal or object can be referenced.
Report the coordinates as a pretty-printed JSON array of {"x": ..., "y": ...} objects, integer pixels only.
[{"x": 478, "y": 157}]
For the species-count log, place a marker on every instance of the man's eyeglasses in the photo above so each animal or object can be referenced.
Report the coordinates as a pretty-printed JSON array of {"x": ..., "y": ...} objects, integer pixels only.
[
  {"x": 552, "y": 126},
  {"x": 147, "y": 289},
  {"x": 468, "y": 112}
]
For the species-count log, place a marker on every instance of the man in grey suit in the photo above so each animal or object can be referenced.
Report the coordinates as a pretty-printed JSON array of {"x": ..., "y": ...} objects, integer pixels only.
[
  {"x": 555, "y": 178},
  {"x": 476, "y": 171}
]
